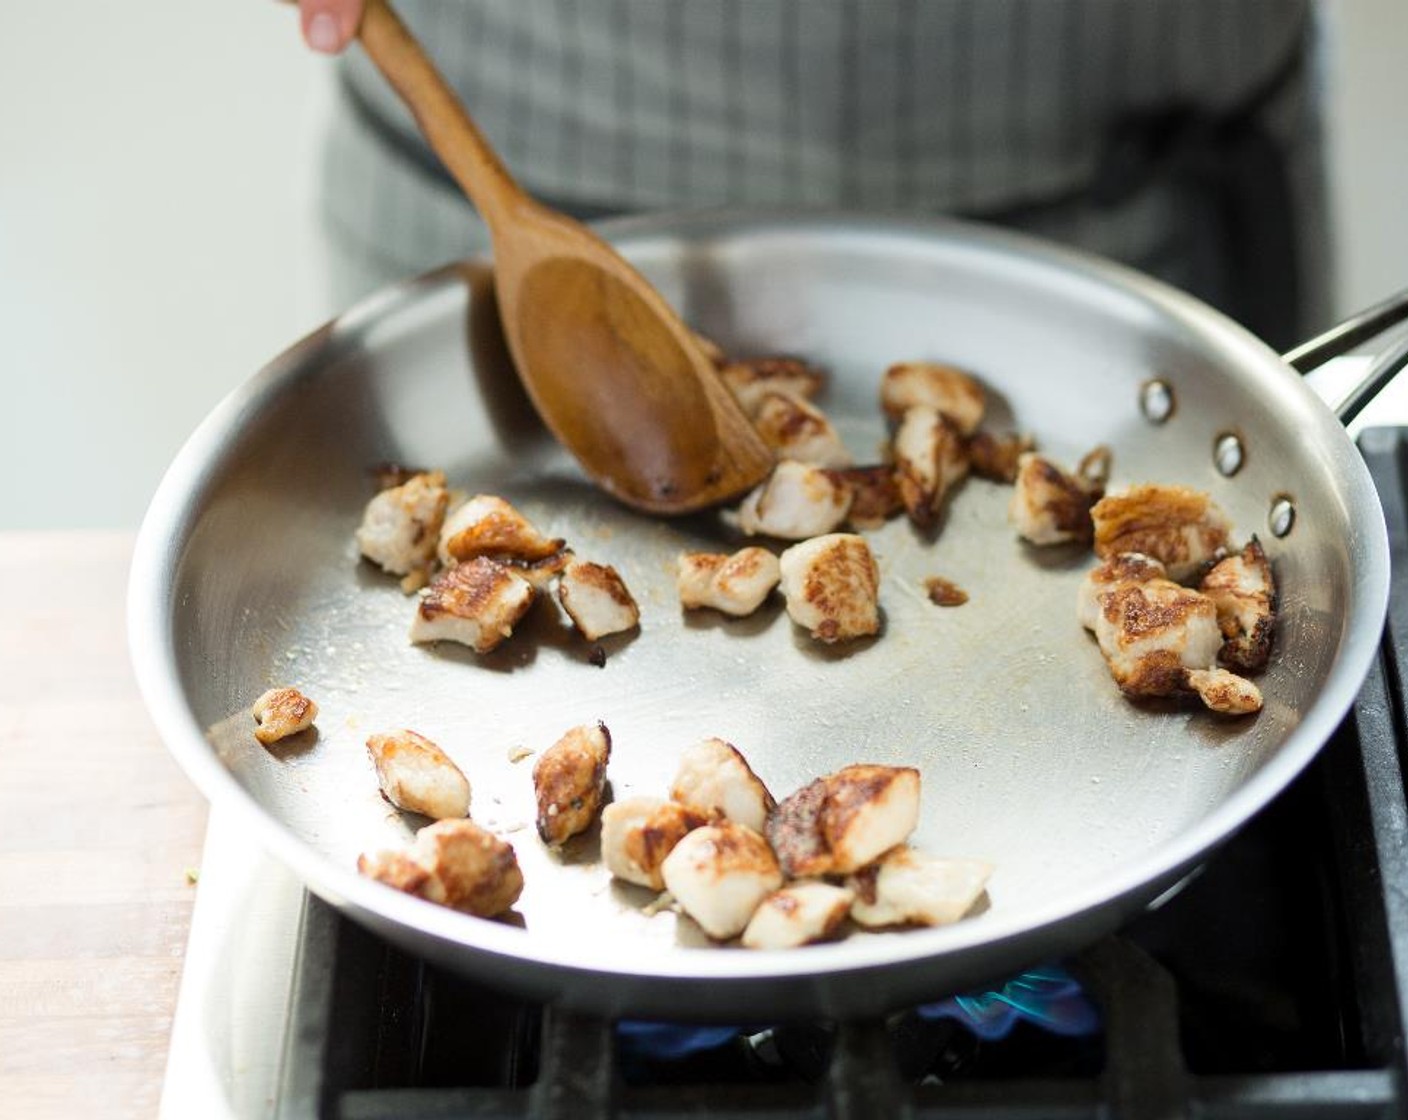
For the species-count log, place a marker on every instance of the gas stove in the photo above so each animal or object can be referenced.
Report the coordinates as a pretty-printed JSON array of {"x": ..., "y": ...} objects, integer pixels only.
[{"x": 1272, "y": 983}]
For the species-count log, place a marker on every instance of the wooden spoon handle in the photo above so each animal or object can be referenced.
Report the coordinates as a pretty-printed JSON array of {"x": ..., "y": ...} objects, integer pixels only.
[{"x": 452, "y": 133}]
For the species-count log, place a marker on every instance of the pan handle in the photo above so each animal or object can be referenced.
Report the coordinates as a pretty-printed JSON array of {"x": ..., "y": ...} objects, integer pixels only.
[{"x": 1337, "y": 341}]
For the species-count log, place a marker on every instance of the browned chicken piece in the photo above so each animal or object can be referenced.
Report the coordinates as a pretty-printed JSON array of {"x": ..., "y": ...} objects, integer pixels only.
[
  {"x": 798, "y": 914},
  {"x": 795, "y": 833},
  {"x": 488, "y": 526},
  {"x": 832, "y": 587},
  {"x": 282, "y": 712},
  {"x": 910, "y": 888},
  {"x": 796, "y": 429},
  {"x": 638, "y": 833},
  {"x": 569, "y": 779},
  {"x": 1161, "y": 639},
  {"x": 868, "y": 810},
  {"x": 1124, "y": 567},
  {"x": 735, "y": 585},
  {"x": 719, "y": 874},
  {"x": 453, "y": 863},
  {"x": 1181, "y": 528},
  {"x": 750, "y": 379},
  {"x": 795, "y": 502},
  {"x": 930, "y": 458},
  {"x": 477, "y": 603},
  {"x": 930, "y": 385},
  {"x": 415, "y": 774},
  {"x": 597, "y": 600},
  {"x": 715, "y": 779},
  {"x": 875, "y": 494},
  {"x": 995, "y": 457},
  {"x": 1050, "y": 505},
  {"x": 1244, "y": 591},
  {"x": 400, "y": 525}
]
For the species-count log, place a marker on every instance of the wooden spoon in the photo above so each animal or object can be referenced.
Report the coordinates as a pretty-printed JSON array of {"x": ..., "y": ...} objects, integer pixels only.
[{"x": 612, "y": 370}]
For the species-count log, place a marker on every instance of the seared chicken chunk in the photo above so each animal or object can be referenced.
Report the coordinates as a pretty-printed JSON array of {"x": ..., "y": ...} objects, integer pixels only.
[
  {"x": 716, "y": 780},
  {"x": 798, "y": 914},
  {"x": 1245, "y": 593},
  {"x": 795, "y": 833},
  {"x": 751, "y": 379},
  {"x": 597, "y": 600},
  {"x": 868, "y": 810},
  {"x": 282, "y": 712},
  {"x": 488, "y": 526},
  {"x": 736, "y": 584},
  {"x": 1124, "y": 567},
  {"x": 795, "y": 502},
  {"x": 930, "y": 458},
  {"x": 797, "y": 429},
  {"x": 1050, "y": 505},
  {"x": 569, "y": 779},
  {"x": 1160, "y": 639},
  {"x": 1180, "y": 527},
  {"x": 996, "y": 457},
  {"x": 844, "y": 820},
  {"x": 931, "y": 385},
  {"x": 718, "y": 874},
  {"x": 400, "y": 525},
  {"x": 477, "y": 603},
  {"x": 416, "y": 774},
  {"x": 638, "y": 833},
  {"x": 454, "y": 863},
  {"x": 875, "y": 494},
  {"x": 910, "y": 888},
  {"x": 832, "y": 587}
]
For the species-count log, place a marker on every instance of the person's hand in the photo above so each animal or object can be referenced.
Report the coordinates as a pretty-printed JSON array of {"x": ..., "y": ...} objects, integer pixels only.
[{"x": 329, "y": 25}]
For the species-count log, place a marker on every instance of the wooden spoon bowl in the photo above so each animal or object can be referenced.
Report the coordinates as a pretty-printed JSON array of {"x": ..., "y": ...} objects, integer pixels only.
[{"x": 614, "y": 373}]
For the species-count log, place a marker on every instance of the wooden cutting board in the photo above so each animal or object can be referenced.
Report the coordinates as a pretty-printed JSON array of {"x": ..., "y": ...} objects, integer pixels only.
[{"x": 98, "y": 830}]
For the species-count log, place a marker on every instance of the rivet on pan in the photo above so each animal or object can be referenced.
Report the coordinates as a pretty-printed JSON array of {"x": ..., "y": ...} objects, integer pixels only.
[
  {"x": 1283, "y": 515},
  {"x": 1228, "y": 454},
  {"x": 1156, "y": 400}
]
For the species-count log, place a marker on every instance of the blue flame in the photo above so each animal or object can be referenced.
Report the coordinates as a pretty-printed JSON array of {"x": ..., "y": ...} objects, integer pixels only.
[
  {"x": 670, "y": 1041},
  {"x": 1049, "y": 997}
]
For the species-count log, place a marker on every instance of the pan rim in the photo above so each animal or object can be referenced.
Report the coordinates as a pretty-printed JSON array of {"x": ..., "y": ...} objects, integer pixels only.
[{"x": 170, "y": 517}]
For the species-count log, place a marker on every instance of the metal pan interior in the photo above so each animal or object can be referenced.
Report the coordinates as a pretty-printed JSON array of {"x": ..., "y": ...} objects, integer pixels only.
[{"x": 247, "y": 577}]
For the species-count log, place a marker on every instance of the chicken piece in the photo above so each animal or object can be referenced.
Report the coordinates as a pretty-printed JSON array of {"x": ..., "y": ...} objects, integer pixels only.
[
  {"x": 751, "y": 379},
  {"x": 867, "y": 811},
  {"x": 996, "y": 457},
  {"x": 597, "y": 600},
  {"x": 832, "y": 587},
  {"x": 488, "y": 526},
  {"x": 1244, "y": 591},
  {"x": 569, "y": 779},
  {"x": 798, "y": 914},
  {"x": 1050, "y": 505},
  {"x": 282, "y": 712},
  {"x": 930, "y": 458},
  {"x": 715, "y": 779},
  {"x": 1225, "y": 693},
  {"x": 415, "y": 774},
  {"x": 1124, "y": 567},
  {"x": 400, "y": 525},
  {"x": 638, "y": 833},
  {"x": 1180, "y": 527},
  {"x": 795, "y": 833},
  {"x": 477, "y": 603},
  {"x": 454, "y": 863},
  {"x": 718, "y": 874},
  {"x": 736, "y": 584},
  {"x": 794, "y": 503},
  {"x": 943, "y": 388},
  {"x": 1151, "y": 633},
  {"x": 910, "y": 888},
  {"x": 796, "y": 429},
  {"x": 875, "y": 494}
]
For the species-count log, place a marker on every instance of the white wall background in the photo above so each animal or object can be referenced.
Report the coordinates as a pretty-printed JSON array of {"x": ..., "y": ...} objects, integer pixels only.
[{"x": 153, "y": 216}]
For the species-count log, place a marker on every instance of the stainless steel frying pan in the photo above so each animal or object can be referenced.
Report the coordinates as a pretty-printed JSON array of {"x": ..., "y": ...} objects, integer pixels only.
[{"x": 246, "y": 576}]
